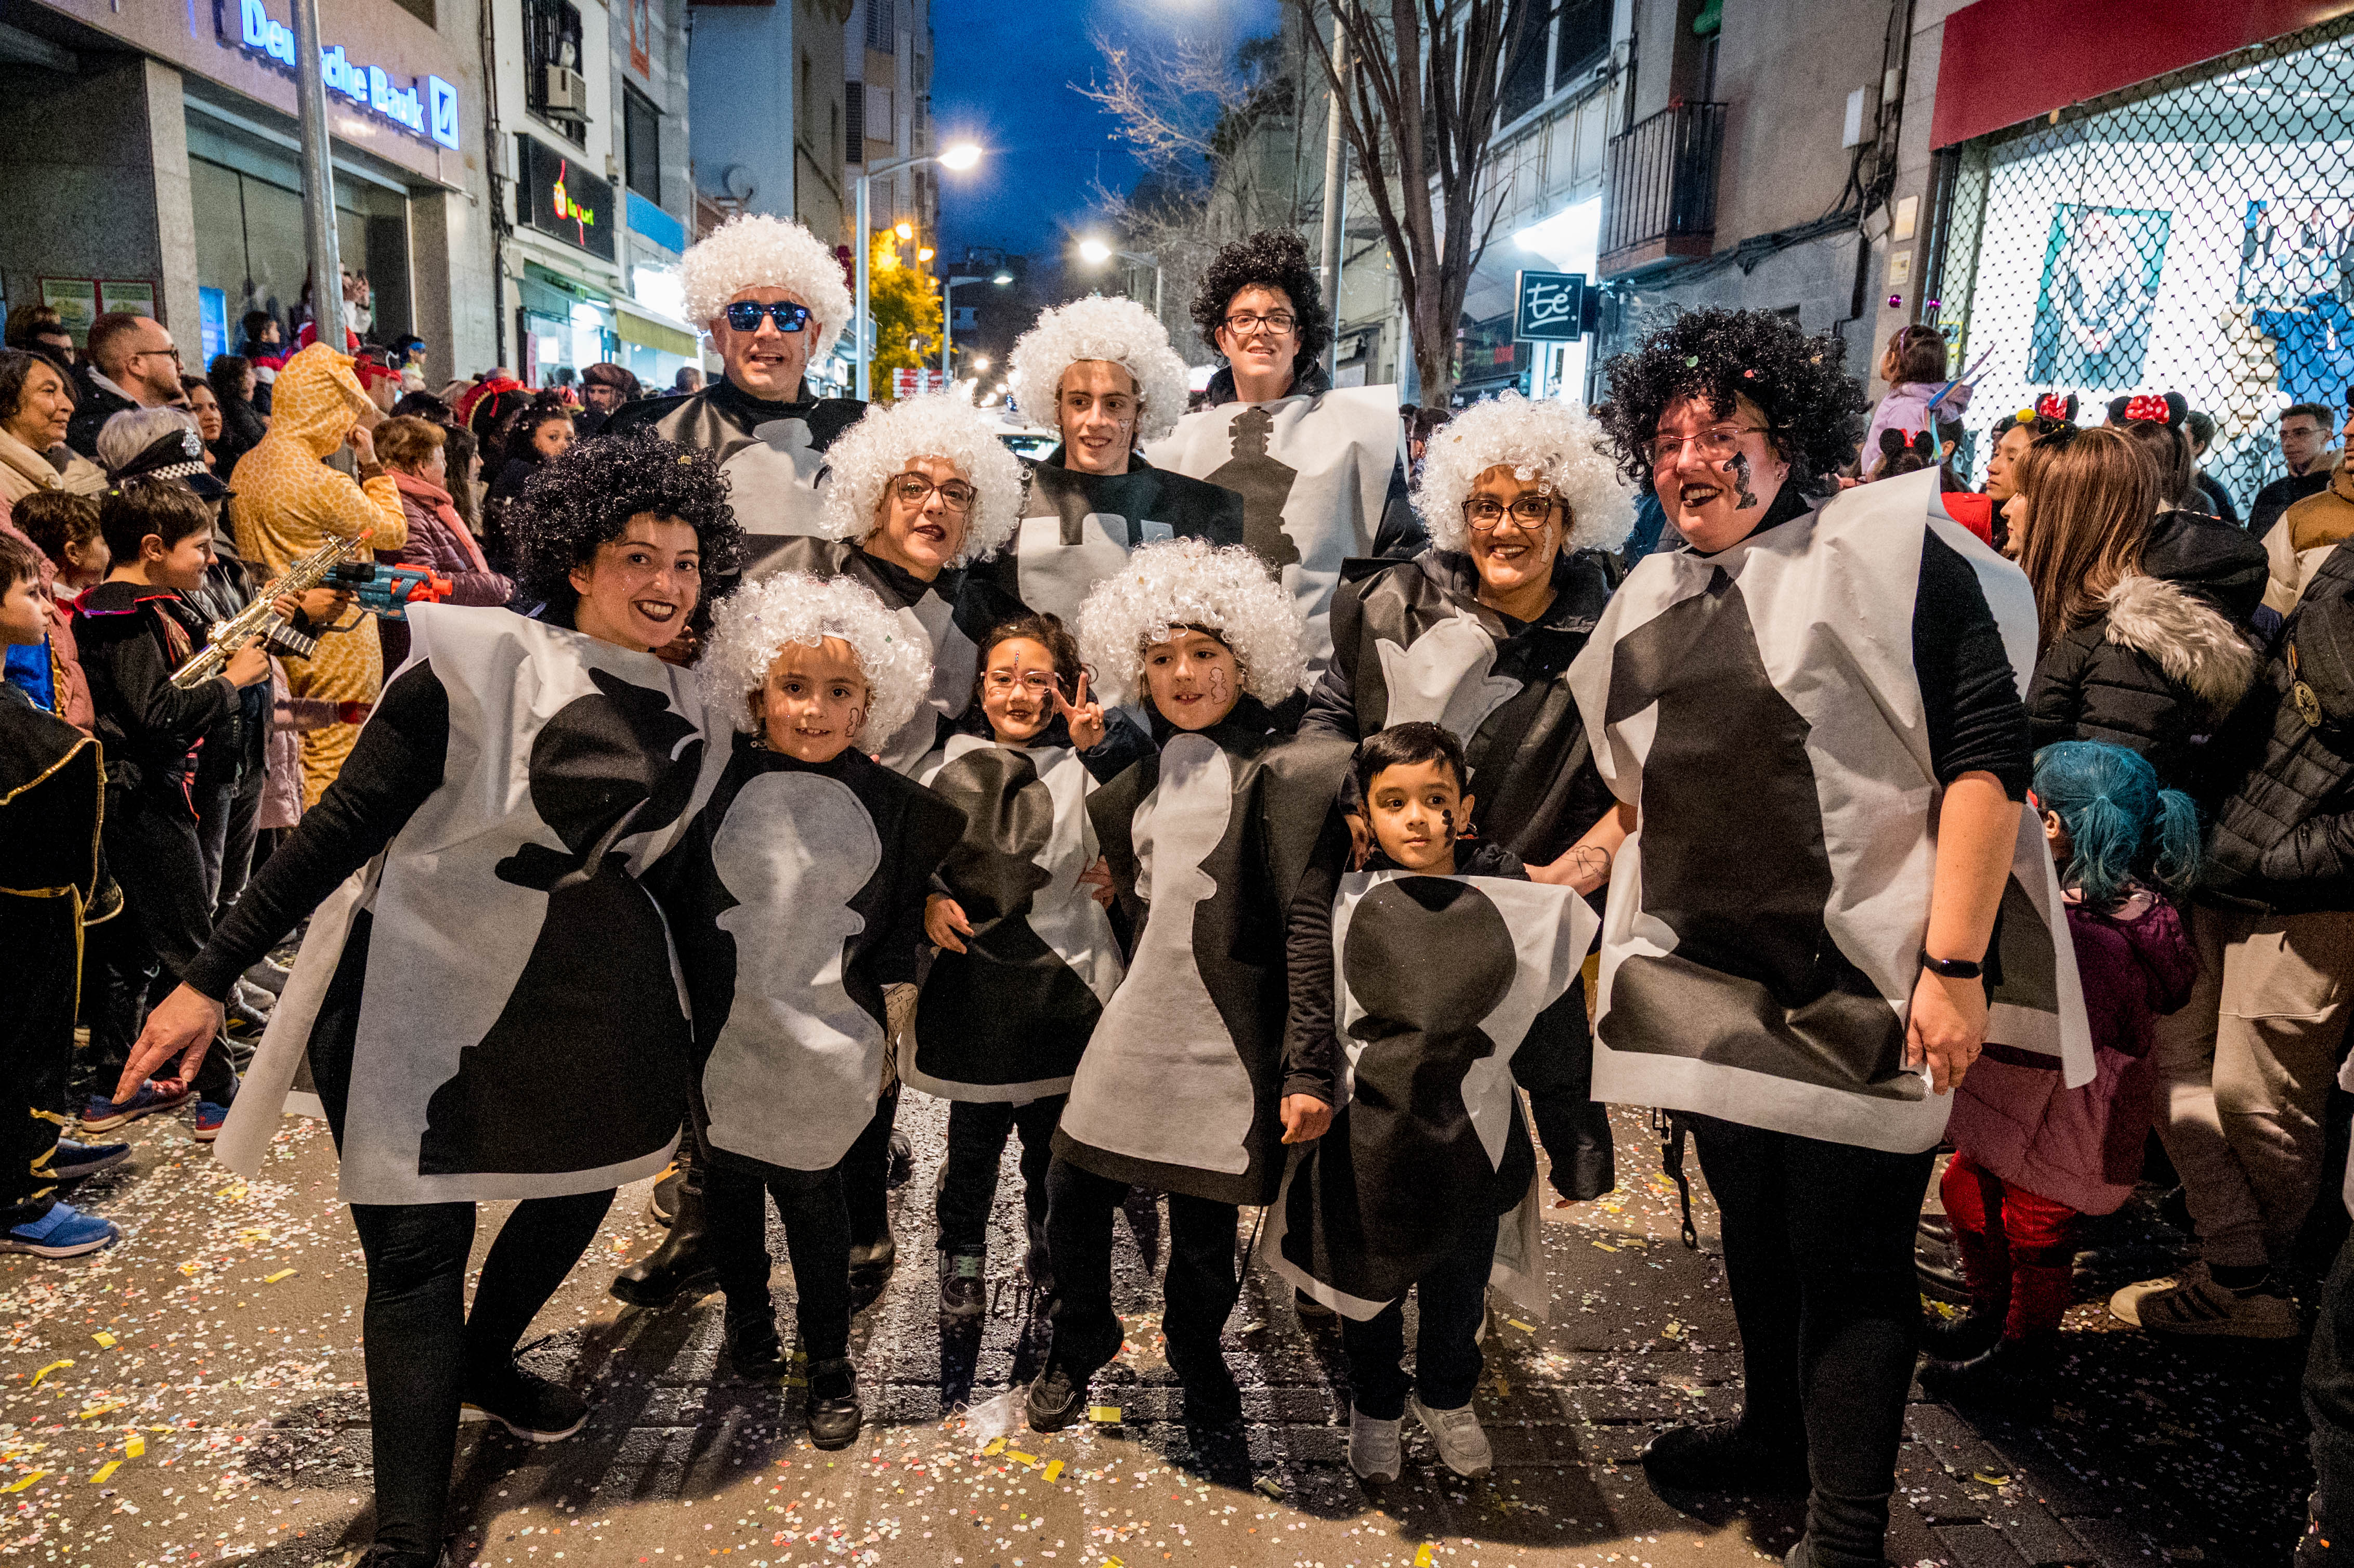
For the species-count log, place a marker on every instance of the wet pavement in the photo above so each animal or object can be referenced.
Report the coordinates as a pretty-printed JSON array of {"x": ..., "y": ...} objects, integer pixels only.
[{"x": 195, "y": 1395}]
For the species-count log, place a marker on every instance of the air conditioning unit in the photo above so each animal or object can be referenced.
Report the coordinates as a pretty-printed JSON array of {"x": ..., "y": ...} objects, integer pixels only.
[{"x": 565, "y": 91}]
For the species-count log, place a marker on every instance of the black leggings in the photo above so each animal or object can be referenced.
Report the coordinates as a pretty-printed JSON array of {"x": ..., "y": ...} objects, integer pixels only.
[
  {"x": 1197, "y": 1292},
  {"x": 1819, "y": 1259},
  {"x": 817, "y": 1239},
  {"x": 1451, "y": 1297},
  {"x": 866, "y": 1173},
  {"x": 977, "y": 1133},
  {"x": 421, "y": 1345}
]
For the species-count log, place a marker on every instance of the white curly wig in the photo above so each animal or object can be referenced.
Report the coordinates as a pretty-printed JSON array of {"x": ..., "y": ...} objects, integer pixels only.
[
  {"x": 752, "y": 626},
  {"x": 1176, "y": 583},
  {"x": 1120, "y": 331},
  {"x": 878, "y": 448},
  {"x": 754, "y": 250},
  {"x": 1554, "y": 444}
]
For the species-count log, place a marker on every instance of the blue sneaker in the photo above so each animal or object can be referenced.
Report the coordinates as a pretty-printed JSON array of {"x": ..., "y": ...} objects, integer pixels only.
[
  {"x": 75, "y": 1160},
  {"x": 209, "y": 1117},
  {"x": 102, "y": 1114},
  {"x": 64, "y": 1232}
]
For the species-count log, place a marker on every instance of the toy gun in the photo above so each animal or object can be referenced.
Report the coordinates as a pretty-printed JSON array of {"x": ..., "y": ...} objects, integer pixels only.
[
  {"x": 261, "y": 618},
  {"x": 388, "y": 591}
]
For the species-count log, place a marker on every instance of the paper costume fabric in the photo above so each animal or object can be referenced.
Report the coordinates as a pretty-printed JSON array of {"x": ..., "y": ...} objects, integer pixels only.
[
  {"x": 1438, "y": 980},
  {"x": 500, "y": 945},
  {"x": 1078, "y": 528},
  {"x": 1761, "y": 943},
  {"x": 1207, "y": 843},
  {"x": 951, "y": 614},
  {"x": 796, "y": 897},
  {"x": 1007, "y": 1019},
  {"x": 772, "y": 453}
]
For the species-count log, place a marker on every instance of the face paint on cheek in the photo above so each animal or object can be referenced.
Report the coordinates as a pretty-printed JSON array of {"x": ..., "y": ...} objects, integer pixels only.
[
  {"x": 1738, "y": 466},
  {"x": 1217, "y": 683},
  {"x": 1448, "y": 817}
]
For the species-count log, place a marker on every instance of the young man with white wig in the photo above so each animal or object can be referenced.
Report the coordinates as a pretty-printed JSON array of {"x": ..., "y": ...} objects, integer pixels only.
[
  {"x": 1106, "y": 368},
  {"x": 772, "y": 296}
]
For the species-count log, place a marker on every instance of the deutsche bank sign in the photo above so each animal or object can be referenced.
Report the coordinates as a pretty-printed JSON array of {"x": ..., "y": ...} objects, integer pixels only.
[{"x": 426, "y": 107}]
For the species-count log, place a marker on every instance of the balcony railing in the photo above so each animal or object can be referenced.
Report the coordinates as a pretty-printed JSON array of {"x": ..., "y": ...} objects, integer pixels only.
[{"x": 1662, "y": 188}]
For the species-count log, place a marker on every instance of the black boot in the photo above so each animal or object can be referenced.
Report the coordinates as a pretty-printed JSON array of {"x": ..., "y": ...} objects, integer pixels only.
[
  {"x": 1973, "y": 1333},
  {"x": 1726, "y": 1457},
  {"x": 2015, "y": 1377},
  {"x": 1211, "y": 1398},
  {"x": 1059, "y": 1393},
  {"x": 833, "y": 1413},
  {"x": 1939, "y": 1269},
  {"x": 752, "y": 1343},
  {"x": 680, "y": 1265},
  {"x": 662, "y": 1203}
]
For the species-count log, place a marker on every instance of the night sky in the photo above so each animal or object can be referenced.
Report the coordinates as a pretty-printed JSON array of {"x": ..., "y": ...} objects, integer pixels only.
[{"x": 1002, "y": 74}]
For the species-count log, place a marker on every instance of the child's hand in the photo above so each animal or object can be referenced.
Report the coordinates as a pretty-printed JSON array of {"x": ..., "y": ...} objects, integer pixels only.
[
  {"x": 944, "y": 922},
  {"x": 1305, "y": 1118},
  {"x": 1085, "y": 718},
  {"x": 248, "y": 666},
  {"x": 1099, "y": 874}
]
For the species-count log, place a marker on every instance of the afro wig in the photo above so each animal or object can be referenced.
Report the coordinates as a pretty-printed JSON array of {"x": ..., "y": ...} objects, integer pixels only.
[
  {"x": 1271, "y": 258},
  {"x": 1554, "y": 444},
  {"x": 754, "y": 626},
  {"x": 1173, "y": 584},
  {"x": 575, "y": 503},
  {"x": 878, "y": 448},
  {"x": 1119, "y": 331},
  {"x": 1815, "y": 410},
  {"x": 754, "y": 250}
]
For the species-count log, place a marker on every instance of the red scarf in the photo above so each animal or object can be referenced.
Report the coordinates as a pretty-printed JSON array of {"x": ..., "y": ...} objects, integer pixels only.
[{"x": 437, "y": 500}]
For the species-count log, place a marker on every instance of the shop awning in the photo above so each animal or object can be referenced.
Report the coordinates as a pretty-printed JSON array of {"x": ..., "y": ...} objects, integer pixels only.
[{"x": 650, "y": 332}]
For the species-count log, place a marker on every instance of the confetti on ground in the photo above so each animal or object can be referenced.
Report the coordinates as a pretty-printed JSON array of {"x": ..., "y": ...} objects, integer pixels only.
[
  {"x": 1104, "y": 1415},
  {"x": 53, "y": 1366},
  {"x": 21, "y": 1482},
  {"x": 98, "y": 1476},
  {"x": 133, "y": 1447},
  {"x": 105, "y": 1341},
  {"x": 281, "y": 1274}
]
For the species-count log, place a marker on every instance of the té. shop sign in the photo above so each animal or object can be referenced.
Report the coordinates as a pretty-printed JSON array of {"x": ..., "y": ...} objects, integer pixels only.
[{"x": 426, "y": 107}]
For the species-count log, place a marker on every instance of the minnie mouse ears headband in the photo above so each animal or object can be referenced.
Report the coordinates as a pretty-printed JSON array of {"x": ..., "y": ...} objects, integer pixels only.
[
  {"x": 2170, "y": 409},
  {"x": 2056, "y": 406}
]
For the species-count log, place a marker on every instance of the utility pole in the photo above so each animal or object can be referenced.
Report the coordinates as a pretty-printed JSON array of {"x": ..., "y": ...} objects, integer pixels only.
[
  {"x": 318, "y": 179},
  {"x": 1336, "y": 189}
]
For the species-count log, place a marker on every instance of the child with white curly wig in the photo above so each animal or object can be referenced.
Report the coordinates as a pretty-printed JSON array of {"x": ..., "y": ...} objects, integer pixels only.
[
  {"x": 797, "y": 904},
  {"x": 1184, "y": 1085}
]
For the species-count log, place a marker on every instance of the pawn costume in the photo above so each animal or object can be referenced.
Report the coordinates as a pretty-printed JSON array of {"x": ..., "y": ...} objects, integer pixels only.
[
  {"x": 1412, "y": 643},
  {"x": 1000, "y": 1027},
  {"x": 1784, "y": 714},
  {"x": 1180, "y": 1084},
  {"x": 797, "y": 896},
  {"x": 481, "y": 948},
  {"x": 1080, "y": 528},
  {"x": 1420, "y": 991},
  {"x": 772, "y": 453}
]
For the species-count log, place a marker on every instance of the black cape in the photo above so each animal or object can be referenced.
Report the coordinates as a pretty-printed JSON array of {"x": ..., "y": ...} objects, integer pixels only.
[
  {"x": 1078, "y": 528},
  {"x": 52, "y": 797}
]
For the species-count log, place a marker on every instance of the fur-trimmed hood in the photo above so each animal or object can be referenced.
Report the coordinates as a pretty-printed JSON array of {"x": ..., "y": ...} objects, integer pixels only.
[{"x": 2188, "y": 638}]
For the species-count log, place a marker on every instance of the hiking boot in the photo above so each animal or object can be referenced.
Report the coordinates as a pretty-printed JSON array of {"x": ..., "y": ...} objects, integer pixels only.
[
  {"x": 1056, "y": 1398},
  {"x": 1725, "y": 1456},
  {"x": 870, "y": 1262}
]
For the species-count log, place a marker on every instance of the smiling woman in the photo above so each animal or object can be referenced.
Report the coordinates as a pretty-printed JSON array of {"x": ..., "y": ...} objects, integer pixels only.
[{"x": 35, "y": 405}]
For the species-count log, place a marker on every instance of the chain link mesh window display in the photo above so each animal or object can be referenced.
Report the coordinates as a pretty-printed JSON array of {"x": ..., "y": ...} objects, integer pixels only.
[{"x": 2194, "y": 233}]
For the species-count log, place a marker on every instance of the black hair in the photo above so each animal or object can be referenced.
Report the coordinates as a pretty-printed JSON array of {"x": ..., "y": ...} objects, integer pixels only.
[
  {"x": 1046, "y": 630},
  {"x": 2202, "y": 425},
  {"x": 254, "y": 324},
  {"x": 1814, "y": 409},
  {"x": 1271, "y": 258},
  {"x": 128, "y": 512},
  {"x": 2318, "y": 413},
  {"x": 16, "y": 368},
  {"x": 1901, "y": 454},
  {"x": 1406, "y": 745},
  {"x": 424, "y": 405},
  {"x": 2170, "y": 450},
  {"x": 586, "y": 498},
  {"x": 56, "y": 518},
  {"x": 19, "y": 562},
  {"x": 226, "y": 376}
]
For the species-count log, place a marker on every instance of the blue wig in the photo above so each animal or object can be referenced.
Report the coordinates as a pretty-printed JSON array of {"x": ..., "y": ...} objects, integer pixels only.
[{"x": 2121, "y": 827}]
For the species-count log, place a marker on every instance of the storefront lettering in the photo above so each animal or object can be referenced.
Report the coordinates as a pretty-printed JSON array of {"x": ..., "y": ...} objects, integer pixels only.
[
  {"x": 567, "y": 209},
  {"x": 427, "y": 107}
]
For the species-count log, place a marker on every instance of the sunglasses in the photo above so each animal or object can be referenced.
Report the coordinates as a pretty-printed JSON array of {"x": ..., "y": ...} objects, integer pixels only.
[{"x": 745, "y": 315}]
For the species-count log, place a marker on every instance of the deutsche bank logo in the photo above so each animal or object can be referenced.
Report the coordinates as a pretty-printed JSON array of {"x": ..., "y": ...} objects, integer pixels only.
[
  {"x": 442, "y": 100},
  {"x": 434, "y": 114}
]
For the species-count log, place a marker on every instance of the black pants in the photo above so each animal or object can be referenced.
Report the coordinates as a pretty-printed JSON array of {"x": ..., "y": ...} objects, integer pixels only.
[
  {"x": 1450, "y": 1298},
  {"x": 155, "y": 851},
  {"x": 867, "y": 1174},
  {"x": 421, "y": 1344},
  {"x": 1197, "y": 1292},
  {"x": 977, "y": 1135},
  {"x": 1819, "y": 1258},
  {"x": 35, "y": 1049},
  {"x": 225, "y": 836},
  {"x": 817, "y": 1239},
  {"x": 2329, "y": 1400}
]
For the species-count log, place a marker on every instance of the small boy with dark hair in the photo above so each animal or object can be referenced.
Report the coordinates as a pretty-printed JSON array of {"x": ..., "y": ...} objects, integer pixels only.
[
  {"x": 1420, "y": 976},
  {"x": 65, "y": 526}
]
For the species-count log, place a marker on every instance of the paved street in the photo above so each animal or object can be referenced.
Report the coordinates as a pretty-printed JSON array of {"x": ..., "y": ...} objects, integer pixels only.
[{"x": 195, "y": 1395}]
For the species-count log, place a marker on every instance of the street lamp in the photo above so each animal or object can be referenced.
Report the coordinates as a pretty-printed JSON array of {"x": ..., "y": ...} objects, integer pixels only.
[
  {"x": 961, "y": 157},
  {"x": 1095, "y": 253},
  {"x": 948, "y": 317}
]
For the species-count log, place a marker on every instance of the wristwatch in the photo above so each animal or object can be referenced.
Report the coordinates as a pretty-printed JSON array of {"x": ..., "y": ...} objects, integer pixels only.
[{"x": 1953, "y": 969}]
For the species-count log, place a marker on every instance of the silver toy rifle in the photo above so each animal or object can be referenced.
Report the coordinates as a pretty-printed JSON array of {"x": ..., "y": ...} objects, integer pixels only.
[{"x": 261, "y": 618}]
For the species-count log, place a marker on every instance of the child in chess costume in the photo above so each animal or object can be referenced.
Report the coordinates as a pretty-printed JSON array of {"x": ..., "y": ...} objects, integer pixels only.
[
  {"x": 798, "y": 899},
  {"x": 1416, "y": 979}
]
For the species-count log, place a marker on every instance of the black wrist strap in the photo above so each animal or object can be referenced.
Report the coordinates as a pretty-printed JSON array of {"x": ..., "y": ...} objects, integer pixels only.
[{"x": 1953, "y": 969}]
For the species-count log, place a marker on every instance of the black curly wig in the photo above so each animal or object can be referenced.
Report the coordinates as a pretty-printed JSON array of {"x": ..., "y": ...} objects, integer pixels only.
[
  {"x": 1814, "y": 407},
  {"x": 586, "y": 498},
  {"x": 1271, "y": 258}
]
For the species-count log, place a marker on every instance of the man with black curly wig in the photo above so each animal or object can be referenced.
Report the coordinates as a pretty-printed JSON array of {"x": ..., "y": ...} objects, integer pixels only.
[
  {"x": 1809, "y": 715},
  {"x": 499, "y": 946},
  {"x": 1321, "y": 470}
]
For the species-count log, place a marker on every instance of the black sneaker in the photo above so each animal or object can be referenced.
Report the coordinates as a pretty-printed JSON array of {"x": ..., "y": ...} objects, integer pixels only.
[
  {"x": 964, "y": 1294},
  {"x": 1973, "y": 1333},
  {"x": 532, "y": 1408},
  {"x": 870, "y": 1265},
  {"x": 1724, "y": 1457},
  {"x": 902, "y": 1166},
  {"x": 833, "y": 1412},
  {"x": 1212, "y": 1398},
  {"x": 2014, "y": 1377},
  {"x": 1055, "y": 1400},
  {"x": 753, "y": 1346}
]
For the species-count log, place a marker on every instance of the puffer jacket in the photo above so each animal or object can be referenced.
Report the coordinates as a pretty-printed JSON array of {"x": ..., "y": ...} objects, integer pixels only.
[
  {"x": 2284, "y": 836},
  {"x": 2167, "y": 659}
]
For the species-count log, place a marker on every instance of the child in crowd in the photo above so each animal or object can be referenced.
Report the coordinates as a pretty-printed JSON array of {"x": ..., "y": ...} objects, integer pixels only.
[
  {"x": 1913, "y": 365},
  {"x": 2030, "y": 1154},
  {"x": 817, "y": 858},
  {"x": 1414, "y": 982},
  {"x": 1027, "y": 958},
  {"x": 51, "y": 788},
  {"x": 65, "y": 526}
]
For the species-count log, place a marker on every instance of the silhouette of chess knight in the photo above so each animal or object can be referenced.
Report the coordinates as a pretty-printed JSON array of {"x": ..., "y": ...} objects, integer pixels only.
[
  {"x": 595, "y": 1001},
  {"x": 1264, "y": 484}
]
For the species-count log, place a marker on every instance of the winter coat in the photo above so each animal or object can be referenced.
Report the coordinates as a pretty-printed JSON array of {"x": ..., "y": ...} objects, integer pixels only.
[
  {"x": 1905, "y": 408},
  {"x": 24, "y": 470},
  {"x": 2165, "y": 661},
  {"x": 439, "y": 540},
  {"x": 93, "y": 405},
  {"x": 64, "y": 659},
  {"x": 2084, "y": 1147},
  {"x": 2308, "y": 532}
]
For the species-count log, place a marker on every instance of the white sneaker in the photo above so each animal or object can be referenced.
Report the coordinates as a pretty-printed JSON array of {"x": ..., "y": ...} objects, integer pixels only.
[
  {"x": 1455, "y": 1433},
  {"x": 1373, "y": 1450}
]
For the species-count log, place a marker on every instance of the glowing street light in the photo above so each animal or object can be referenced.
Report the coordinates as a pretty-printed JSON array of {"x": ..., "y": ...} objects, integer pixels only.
[
  {"x": 905, "y": 230},
  {"x": 960, "y": 157},
  {"x": 963, "y": 155},
  {"x": 1095, "y": 252}
]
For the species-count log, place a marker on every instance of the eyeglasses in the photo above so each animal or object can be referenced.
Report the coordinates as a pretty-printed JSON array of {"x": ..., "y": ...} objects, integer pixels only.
[
  {"x": 1279, "y": 323},
  {"x": 914, "y": 489},
  {"x": 1038, "y": 682},
  {"x": 1714, "y": 444},
  {"x": 1530, "y": 509},
  {"x": 745, "y": 315},
  {"x": 171, "y": 354}
]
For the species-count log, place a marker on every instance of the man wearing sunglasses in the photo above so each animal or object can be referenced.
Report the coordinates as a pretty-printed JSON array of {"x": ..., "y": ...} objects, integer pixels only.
[
  {"x": 131, "y": 365},
  {"x": 772, "y": 298}
]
